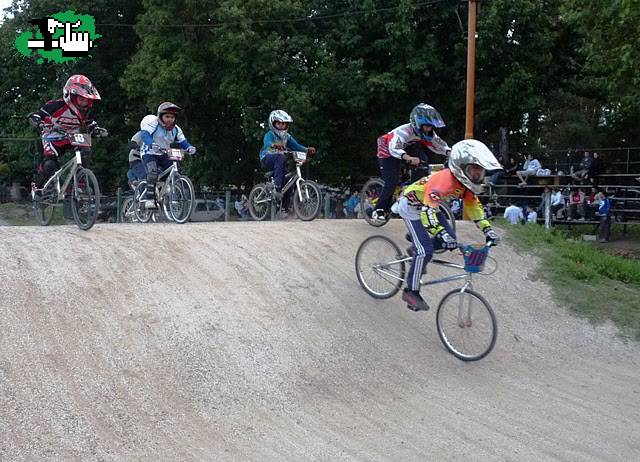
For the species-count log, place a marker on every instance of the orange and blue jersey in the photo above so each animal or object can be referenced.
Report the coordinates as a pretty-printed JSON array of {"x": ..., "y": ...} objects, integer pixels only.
[{"x": 441, "y": 187}]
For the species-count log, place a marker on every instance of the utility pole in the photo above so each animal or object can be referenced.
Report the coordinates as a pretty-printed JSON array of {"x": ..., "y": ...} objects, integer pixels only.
[{"x": 471, "y": 68}]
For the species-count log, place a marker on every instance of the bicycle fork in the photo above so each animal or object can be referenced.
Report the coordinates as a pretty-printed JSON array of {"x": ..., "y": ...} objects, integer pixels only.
[{"x": 464, "y": 309}]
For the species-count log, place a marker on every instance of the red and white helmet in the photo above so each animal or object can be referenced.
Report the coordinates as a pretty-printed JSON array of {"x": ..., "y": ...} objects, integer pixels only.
[
  {"x": 167, "y": 108},
  {"x": 79, "y": 85}
]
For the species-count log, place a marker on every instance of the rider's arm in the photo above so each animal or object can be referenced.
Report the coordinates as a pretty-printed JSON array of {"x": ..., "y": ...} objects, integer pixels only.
[
  {"x": 439, "y": 146},
  {"x": 439, "y": 185},
  {"x": 475, "y": 211},
  {"x": 181, "y": 140},
  {"x": 396, "y": 145},
  {"x": 43, "y": 115},
  {"x": 293, "y": 144},
  {"x": 268, "y": 143}
]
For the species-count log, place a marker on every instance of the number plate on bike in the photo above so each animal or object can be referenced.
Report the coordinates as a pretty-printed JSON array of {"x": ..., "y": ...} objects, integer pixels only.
[
  {"x": 176, "y": 154},
  {"x": 80, "y": 139},
  {"x": 300, "y": 156}
]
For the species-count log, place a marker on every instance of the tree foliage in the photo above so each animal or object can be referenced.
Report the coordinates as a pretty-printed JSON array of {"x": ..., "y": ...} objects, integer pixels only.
[{"x": 551, "y": 73}]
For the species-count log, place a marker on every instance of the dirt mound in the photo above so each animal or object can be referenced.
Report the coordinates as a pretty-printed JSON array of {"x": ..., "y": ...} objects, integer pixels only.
[{"x": 254, "y": 341}]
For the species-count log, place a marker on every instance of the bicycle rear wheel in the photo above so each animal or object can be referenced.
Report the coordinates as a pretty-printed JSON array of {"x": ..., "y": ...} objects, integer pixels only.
[
  {"x": 369, "y": 196},
  {"x": 451, "y": 219},
  {"x": 85, "y": 199},
  {"x": 448, "y": 215},
  {"x": 127, "y": 211},
  {"x": 45, "y": 205},
  {"x": 466, "y": 325},
  {"x": 307, "y": 208},
  {"x": 259, "y": 202},
  {"x": 180, "y": 199},
  {"x": 380, "y": 267}
]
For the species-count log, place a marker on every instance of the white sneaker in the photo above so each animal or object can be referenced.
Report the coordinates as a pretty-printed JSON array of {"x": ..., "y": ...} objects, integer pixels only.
[{"x": 379, "y": 216}]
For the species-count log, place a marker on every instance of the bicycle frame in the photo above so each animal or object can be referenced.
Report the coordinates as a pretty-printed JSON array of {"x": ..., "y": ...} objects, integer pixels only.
[
  {"x": 467, "y": 276},
  {"x": 295, "y": 179},
  {"x": 72, "y": 165}
]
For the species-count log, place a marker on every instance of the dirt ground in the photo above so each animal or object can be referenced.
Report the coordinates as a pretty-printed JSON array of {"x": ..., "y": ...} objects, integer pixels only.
[{"x": 254, "y": 341}]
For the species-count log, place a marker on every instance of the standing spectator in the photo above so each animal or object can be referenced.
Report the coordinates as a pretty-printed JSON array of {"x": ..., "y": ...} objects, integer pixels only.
[
  {"x": 540, "y": 208},
  {"x": 455, "y": 208},
  {"x": 583, "y": 168},
  {"x": 513, "y": 213},
  {"x": 597, "y": 168},
  {"x": 531, "y": 166},
  {"x": 604, "y": 211},
  {"x": 339, "y": 206},
  {"x": 532, "y": 216},
  {"x": 576, "y": 198}
]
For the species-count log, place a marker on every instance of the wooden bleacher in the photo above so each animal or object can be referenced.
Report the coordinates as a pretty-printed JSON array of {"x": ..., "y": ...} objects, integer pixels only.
[{"x": 623, "y": 189}]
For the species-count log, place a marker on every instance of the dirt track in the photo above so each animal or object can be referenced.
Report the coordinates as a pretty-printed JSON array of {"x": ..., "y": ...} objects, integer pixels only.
[{"x": 253, "y": 341}]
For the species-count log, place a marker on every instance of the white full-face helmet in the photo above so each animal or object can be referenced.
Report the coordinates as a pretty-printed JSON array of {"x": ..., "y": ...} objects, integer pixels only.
[
  {"x": 279, "y": 116},
  {"x": 471, "y": 152}
]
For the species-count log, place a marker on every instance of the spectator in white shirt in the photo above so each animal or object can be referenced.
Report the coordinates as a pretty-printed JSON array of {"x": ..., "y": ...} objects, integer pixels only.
[
  {"x": 557, "y": 202},
  {"x": 531, "y": 166},
  {"x": 532, "y": 216},
  {"x": 513, "y": 214}
]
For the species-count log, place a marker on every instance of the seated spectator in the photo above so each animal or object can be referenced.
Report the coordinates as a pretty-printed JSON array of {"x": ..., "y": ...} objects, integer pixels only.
[
  {"x": 531, "y": 166},
  {"x": 496, "y": 177},
  {"x": 583, "y": 168},
  {"x": 557, "y": 202},
  {"x": 511, "y": 167},
  {"x": 591, "y": 204},
  {"x": 576, "y": 207},
  {"x": 604, "y": 212},
  {"x": 532, "y": 216},
  {"x": 513, "y": 214},
  {"x": 351, "y": 205}
]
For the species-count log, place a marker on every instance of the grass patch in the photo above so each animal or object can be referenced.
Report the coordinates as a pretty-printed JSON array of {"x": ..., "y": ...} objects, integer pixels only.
[
  {"x": 21, "y": 214},
  {"x": 590, "y": 282}
]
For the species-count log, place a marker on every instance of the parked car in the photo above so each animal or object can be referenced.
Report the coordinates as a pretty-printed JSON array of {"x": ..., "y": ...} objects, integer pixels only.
[{"x": 207, "y": 210}]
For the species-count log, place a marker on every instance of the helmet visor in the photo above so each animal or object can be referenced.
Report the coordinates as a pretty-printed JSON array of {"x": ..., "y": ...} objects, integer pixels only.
[{"x": 475, "y": 173}]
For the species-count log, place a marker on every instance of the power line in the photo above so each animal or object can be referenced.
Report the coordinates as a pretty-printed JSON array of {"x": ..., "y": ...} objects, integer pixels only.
[{"x": 281, "y": 21}]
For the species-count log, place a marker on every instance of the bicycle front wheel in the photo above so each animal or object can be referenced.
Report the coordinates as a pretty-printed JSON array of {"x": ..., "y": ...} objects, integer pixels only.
[
  {"x": 85, "y": 201},
  {"x": 143, "y": 215},
  {"x": 369, "y": 196},
  {"x": 308, "y": 207},
  {"x": 466, "y": 325},
  {"x": 380, "y": 267},
  {"x": 127, "y": 211},
  {"x": 259, "y": 202},
  {"x": 180, "y": 199}
]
